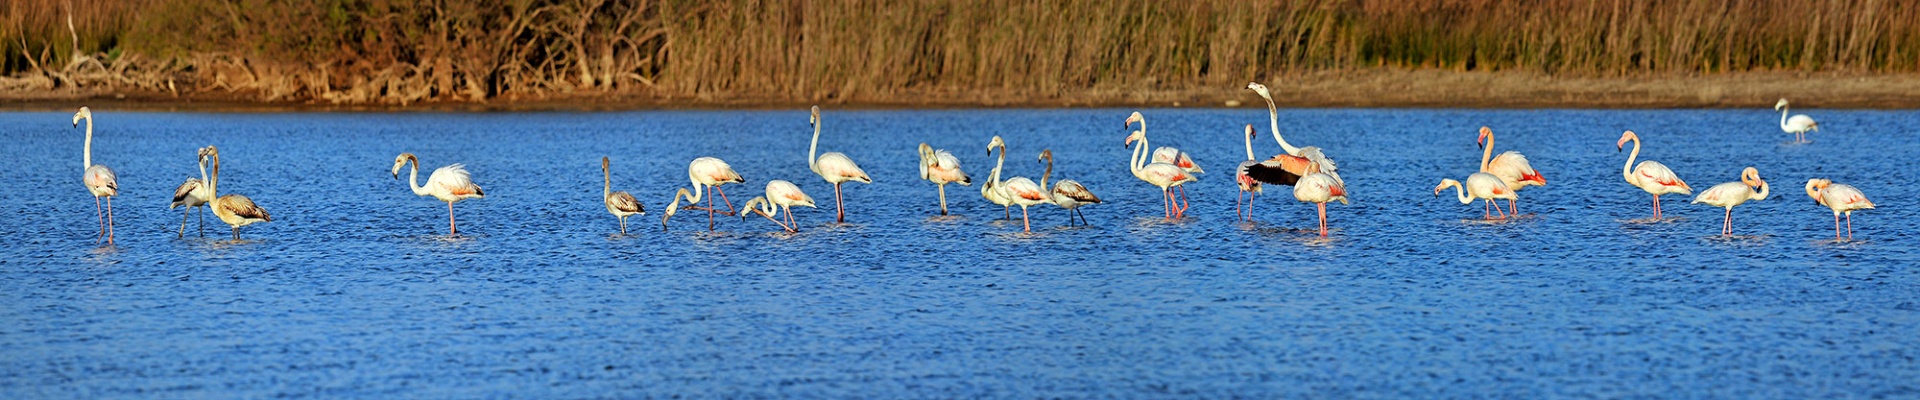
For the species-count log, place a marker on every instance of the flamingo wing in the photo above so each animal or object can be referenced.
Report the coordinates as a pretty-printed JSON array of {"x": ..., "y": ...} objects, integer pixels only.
[
  {"x": 182, "y": 194},
  {"x": 624, "y": 202},
  {"x": 1171, "y": 155},
  {"x": 1280, "y": 170},
  {"x": 454, "y": 180},
  {"x": 1658, "y": 173},
  {"x": 102, "y": 181},
  {"x": 835, "y": 165},
  {"x": 243, "y": 207},
  {"x": 1074, "y": 190},
  {"x": 1513, "y": 166},
  {"x": 948, "y": 167}
]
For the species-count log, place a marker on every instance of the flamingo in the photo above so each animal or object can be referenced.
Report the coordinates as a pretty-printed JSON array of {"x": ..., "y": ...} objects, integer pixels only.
[
  {"x": 1163, "y": 175},
  {"x": 1480, "y": 185},
  {"x": 990, "y": 190},
  {"x": 1651, "y": 176},
  {"x": 781, "y": 193},
  {"x": 1840, "y": 197},
  {"x": 941, "y": 167},
  {"x": 233, "y": 209},
  {"x": 1730, "y": 194},
  {"x": 193, "y": 194},
  {"x": 1018, "y": 190},
  {"x": 100, "y": 180},
  {"x": 1065, "y": 193},
  {"x": 1511, "y": 167},
  {"x": 1798, "y": 125},
  {"x": 1167, "y": 155},
  {"x": 704, "y": 172},
  {"x": 834, "y": 167},
  {"x": 1319, "y": 188},
  {"x": 450, "y": 184},
  {"x": 621, "y": 204},
  {"x": 1284, "y": 169},
  {"x": 1248, "y": 186}
]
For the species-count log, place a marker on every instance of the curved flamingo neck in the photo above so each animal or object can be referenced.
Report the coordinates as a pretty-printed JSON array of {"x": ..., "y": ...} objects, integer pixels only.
[
  {"x": 213, "y": 182},
  {"x": 1487, "y": 153},
  {"x": 413, "y": 179},
  {"x": 1139, "y": 156},
  {"x": 86, "y": 155},
  {"x": 607, "y": 189},
  {"x": 1626, "y": 171},
  {"x": 1783, "y": 119},
  {"x": 995, "y": 178},
  {"x": 1045, "y": 175},
  {"x": 811, "y": 147},
  {"x": 1273, "y": 122},
  {"x": 1249, "y": 142},
  {"x": 1459, "y": 190},
  {"x": 1764, "y": 189},
  {"x": 203, "y": 171}
]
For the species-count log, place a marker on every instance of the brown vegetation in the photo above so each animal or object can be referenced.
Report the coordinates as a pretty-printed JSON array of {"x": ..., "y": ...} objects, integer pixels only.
[{"x": 402, "y": 52}]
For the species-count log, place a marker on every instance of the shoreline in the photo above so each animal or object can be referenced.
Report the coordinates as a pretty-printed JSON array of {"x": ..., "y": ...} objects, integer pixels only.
[{"x": 1372, "y": 88}]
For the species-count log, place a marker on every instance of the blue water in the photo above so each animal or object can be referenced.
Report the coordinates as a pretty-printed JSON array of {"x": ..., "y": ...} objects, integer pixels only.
[{"x": 355, "y": 289}]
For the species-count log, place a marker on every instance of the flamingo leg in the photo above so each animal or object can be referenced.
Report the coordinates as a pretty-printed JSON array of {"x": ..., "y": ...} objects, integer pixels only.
[
  {"x": 791, "y": 226},
  {"x": 202, "y": 214},
  {"x": 1726, "y": 225},
  {"x": 1166, "y": 197},
  {"x": 236, "y": 233},
  {"x": 1025, "y": 224},
  {"x": 723, "y": 199},
  {"x": 839, "y": 208},
  {"x": 943, "y": 199},
  {"x": 1323, "y": 219},
  {"x": 1514, "y": 210},
  {"x": 1849, "y": 225},
  {"x": 1485, "y": 213},
  {"x": 1836, "y": 226},
  {"x": 710, "y": 209},
  {"x": 109, "y": 219},
  {"x": 99, "y": 218},
  {"x": 1183, "y": 202},
  {"x": 1656, "y": 207},
  {"x": 451, "y": 228},
  {"x": 183, "y": 222}
]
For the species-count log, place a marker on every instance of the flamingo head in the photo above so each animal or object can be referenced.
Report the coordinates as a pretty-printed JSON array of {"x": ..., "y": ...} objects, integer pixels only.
[
  {"x": 748, "y": 207},
  {"x": 1624, "y": 137},
  {"x": 1781, "y": 104},
  {"x": 203, "y": 152},
  {"x": 605, "y": 164},
  {"x": 1751, "y": 177},
  {"x": 1250, "y": 132},
  {"x": 1484, "y": 133},
  {"x": 1136, "y": 117},
  {"x": 1046, "y": 155},
  {"x": 995, "y": 143},
  {"x": 1814, "y": 186},
  {"x": 398, "y": 161},
  {"x": 1260, "y": 89},
  {"x": 814, "y": 119},
  {"x": 673, "y": 206},
  {"x": 84, "y": 113},
  {"x": 1137, "y": 135},
  {"x": 1444, "y": 184}
]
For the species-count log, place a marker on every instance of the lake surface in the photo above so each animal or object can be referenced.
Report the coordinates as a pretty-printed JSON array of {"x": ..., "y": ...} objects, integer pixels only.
[{"x": 355, "y": 289}]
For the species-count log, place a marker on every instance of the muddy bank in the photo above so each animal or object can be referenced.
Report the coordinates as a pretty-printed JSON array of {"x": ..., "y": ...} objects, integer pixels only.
[{"x": 1359, "y": 88}]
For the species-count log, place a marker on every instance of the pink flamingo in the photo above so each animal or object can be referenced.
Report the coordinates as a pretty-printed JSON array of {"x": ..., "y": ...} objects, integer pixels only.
[
  {"x": 1840, "y": 197},
  {"x": 1511, "y": 167},
  {"x": 100, "y": 180},
  {"x": 1730, "y": 194},
  {"x": 1651, "y": 176}
]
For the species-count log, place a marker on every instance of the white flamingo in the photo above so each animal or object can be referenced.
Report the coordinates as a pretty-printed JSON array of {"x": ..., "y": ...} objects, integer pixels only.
[
  {"x": 704, "y": 172},
  {"x": 1066, "y": 193},
  {"x": 990, "y": 190},
  {"x": 779, "y": 193},
  {"x": 1018, "y": 190},
  {"x": 233, "y": 209},
  {"x": 450, "y": 184},
  {"x": 1730, "y": 194},
  {"x": 1167, "y": 155},
  {"x": 1482, "y": 186},
  {"x": 193, "y": 194},
  {"x": 621, "y": 204},
  {"x": 1797, "y": 125},
  {"x": 834, "y": 167},
  {"x": 100, "y": 180},
  {"x": 1319, "y": 189},
  {"x": 1651, "y": 176},
  {"x": 1163, "y": 175},
  {"x": 1511, "y": 167},
  {"x": 1249, "y": 187},
  {"x": 1840, "y": 197},
  {"x": 941, "y": 168}
]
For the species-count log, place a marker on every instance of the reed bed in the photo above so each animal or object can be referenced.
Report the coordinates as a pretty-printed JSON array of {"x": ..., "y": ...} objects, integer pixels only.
[{"x": 399, "y": 51}]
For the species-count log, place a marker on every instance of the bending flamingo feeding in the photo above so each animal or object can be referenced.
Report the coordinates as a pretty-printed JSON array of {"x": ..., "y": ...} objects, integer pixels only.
[
  {"x": 1511, "y": 167},
  {"x": 704, "y": 172},
  {"x": 1651, "y": 176},
  {"x": 779, "y": 193},
  {"x": 100, "y": 180},
  {"x": 1162, "y": 175},
  {"x": 193, "y": 194},
  {"x": 834, "y": 167},
  {"x": 1066, "y": 193},
  {"x": 1797, "y": 125},
  {"x": 1482, "y": 186},
  {"x": 233, "y": 209},
  {"x": 1841, "y": 198},
  {"x": 1730, "y": 194},
  {"x": 621, "y": 204},
  {"x": 450, "y": 184},
  {"x": 941, "y": 168}
]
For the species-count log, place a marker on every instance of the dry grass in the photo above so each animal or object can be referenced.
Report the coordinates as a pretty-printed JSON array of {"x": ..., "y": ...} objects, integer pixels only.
[{"x": 993, "y": 51}]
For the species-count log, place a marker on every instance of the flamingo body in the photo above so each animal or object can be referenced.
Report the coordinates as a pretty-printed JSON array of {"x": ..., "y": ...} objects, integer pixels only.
[
  {"x": 1170, "y": 155},
  {"x": 836, "y": 168},
  {"x": 1798, "y": 125},
  {"x": 1841, "y": 198},
  {"x": 1481, "y": 186},
  {"x": 1319, "y": 188},
  {"x": 449, "y": 184},
  {"x": 1731, "y": 194},
  {"x": 99, "y": 180},
  {"x": 621, "y": 204},
  {"x": 235, "y": 210},
  {"x": 941, "y": 168}
]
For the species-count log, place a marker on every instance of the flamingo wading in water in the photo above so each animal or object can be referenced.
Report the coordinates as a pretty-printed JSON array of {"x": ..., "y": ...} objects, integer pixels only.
[
  {"x": 1283, "y": 169},
  {"x": 1651, "y": 176},
  {"x": 1163, "y": 175},
  {"x": 621, "y": 204},
  {"x": 704, "y": 172},
  {"x": 1319, "y": 189},
  {"x": 1066, "y": 193},
  {"x": 1249, "y": 187},
  {"x": 100, "y": 180},
  {"x": 1167, "y": 155},
  {"x": 779, "y": 193},
  {"x": 1797, "y": 125},
  {"x": 941, "y": 168},
  {"x": 233, "y": 209},
  {"x": 1511, "y": 167},
  {"x": 194, "y": 195},
  {"x": 450, "y": 184},
  {"x": 1480, "y": 185},
  {"x": 1840, "y": 197},
  {"x": 1730, "y": 194},
  {"x": 1018, "y": 190},
  {"x": 990, "y": 190},
  {"x": 834, "y": 167}
]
